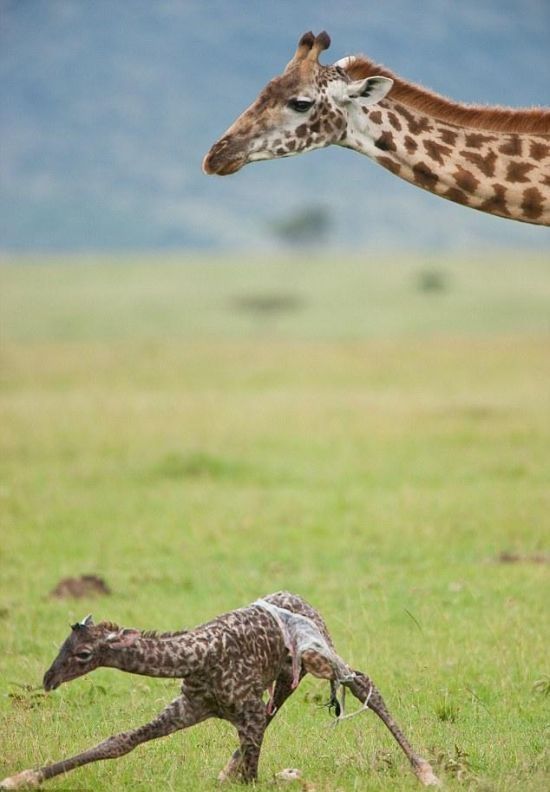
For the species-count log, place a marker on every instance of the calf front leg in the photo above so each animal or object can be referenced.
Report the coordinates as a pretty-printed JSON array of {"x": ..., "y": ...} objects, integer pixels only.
[
  {"x": 363, "y": 689},
  {"x": 179, "y": 714}
]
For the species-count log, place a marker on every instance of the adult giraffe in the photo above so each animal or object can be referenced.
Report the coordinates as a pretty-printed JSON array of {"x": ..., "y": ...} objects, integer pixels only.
[{"x": 493, "y": 159}]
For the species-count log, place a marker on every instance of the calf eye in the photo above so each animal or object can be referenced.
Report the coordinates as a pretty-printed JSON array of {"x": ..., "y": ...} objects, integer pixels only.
[
  {"x": 300, "y": 105},
  {"x": 85, "y": 654}
]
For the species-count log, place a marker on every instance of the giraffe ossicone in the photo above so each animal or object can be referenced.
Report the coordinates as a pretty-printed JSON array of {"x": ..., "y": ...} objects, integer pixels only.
[{"x": 493, "y": 159}]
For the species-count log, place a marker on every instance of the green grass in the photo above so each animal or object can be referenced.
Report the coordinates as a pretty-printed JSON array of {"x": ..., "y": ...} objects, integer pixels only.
[{"x": 374, "y": 447}]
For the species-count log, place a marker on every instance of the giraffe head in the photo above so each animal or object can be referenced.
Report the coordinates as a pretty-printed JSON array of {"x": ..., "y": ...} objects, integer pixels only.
[
  {"x": 85, "y": 649},
  {"x": 307, "y": 107}
]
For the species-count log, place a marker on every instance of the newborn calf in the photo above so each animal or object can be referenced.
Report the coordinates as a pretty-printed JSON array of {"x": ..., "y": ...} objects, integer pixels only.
[{"x": 226, "y": 666}]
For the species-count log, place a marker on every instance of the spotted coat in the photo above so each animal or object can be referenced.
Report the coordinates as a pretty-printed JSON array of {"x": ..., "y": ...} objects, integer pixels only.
[{"x": 227, "y": 665}]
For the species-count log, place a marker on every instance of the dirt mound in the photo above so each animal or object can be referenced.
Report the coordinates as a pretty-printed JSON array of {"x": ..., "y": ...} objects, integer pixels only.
[
  {"x": 83, "y": 586},
  {"x": 518, "y": 558}
]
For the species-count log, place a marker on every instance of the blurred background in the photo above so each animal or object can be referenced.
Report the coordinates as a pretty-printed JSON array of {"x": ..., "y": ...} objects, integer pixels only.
[{"x": 108, "y": 108}]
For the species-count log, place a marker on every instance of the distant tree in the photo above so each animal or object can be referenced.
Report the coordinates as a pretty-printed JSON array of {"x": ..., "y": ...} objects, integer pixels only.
[
  {"x": 307, "y": 226},
  {"x": 432, "y": 279}
]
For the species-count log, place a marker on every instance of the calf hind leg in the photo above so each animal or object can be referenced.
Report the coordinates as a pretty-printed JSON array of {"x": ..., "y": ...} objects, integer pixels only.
[
  {"x": 250, "y": 723},
  {"x": 364, "y": 690},
  {"x": 283, "y": 689}
]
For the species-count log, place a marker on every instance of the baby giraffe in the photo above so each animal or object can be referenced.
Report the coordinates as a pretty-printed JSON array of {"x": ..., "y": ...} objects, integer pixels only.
[{"x": 226, "y": 666}]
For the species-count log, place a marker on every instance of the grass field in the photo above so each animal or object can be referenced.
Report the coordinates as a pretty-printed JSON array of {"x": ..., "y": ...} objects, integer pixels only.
[{"x": 372, "y": 433}]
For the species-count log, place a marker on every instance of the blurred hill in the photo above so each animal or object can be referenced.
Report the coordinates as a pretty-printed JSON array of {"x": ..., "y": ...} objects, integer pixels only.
[{"x": 108, "y": 108}]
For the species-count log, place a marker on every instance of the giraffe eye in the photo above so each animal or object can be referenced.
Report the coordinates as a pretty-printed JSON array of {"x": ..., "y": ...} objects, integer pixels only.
[
  {"x": 300, "y": 105},
  {"x": 84, "y": 655}
]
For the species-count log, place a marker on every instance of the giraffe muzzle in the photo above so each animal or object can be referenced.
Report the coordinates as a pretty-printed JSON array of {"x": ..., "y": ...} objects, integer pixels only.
[
  {"x": 50, "y": 682},
  {"x": 225, "y": 157}
]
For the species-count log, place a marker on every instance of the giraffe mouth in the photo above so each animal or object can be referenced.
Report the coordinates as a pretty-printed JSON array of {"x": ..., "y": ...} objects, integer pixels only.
[
  {"x": 50, "y": 682},
  {"x": 229, "y": 168},
  {"x": 216, "y": 163}
]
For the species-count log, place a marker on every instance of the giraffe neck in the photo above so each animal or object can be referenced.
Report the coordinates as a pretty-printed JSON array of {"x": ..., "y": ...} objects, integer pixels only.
[
  {"x": 502, "y": 173},
  {"x": 174, "y": 656}
]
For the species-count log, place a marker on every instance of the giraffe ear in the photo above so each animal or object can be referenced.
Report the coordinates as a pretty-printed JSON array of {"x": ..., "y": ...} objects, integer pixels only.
[
  {"x": 370, "y": 90},
  {"x": 121, "y": 639}
]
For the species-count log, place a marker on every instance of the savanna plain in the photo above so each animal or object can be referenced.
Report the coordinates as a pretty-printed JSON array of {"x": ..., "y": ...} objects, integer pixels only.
[{"x": 371, "y": 432}]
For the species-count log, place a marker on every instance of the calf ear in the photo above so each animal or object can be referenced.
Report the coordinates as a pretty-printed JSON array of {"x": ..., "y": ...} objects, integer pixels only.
[
  {"x": 121, "y": 639},
  {"x": 370, "y": 90}
]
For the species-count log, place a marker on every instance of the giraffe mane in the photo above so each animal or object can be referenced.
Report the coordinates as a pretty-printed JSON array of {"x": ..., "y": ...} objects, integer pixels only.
[
  {"x": 108, "y": 626},
  {"x": 496, "y": 119},
  {"x": 162, "y": 635}
]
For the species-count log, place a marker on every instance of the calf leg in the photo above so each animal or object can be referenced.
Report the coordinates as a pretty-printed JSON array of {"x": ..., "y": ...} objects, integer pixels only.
[
  {"x": 178, "y": 715},
  {"x": 283, "y": 689},
  {"x": 363, "y": 689},
  {"x": 250, "y": 722}
]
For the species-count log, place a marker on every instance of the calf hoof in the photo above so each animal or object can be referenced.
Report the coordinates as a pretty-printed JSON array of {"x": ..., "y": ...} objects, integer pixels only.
[
  {"x": 426, "y": 775},
  {"x": 288, "y": 774},
  {"x": 27, "y": 779},
  {"x": 231, "y": 769}
]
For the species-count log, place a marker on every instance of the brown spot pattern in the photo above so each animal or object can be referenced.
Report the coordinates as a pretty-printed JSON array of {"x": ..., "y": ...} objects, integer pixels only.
[
  {"x": 376, "y": 117},
  {"x": 424, "y": 176},
  {"x": 497, "y": 203},
  {"x": 486, "y": 164},
  {"x": 448, "y": 136},
  {"x": 517, "y": 171},
  {"x": 512, "y": 147},
  {"x": 539, "y": 151},
  {"x": 456, "y": 195},
  {"x": 394, "y": 121},
  {"x": 410, "y": 144},
  {"x": 388, "y": 163},
  {"x": 476, "y": 139},
  {"x": 386, "y": 142},
  {"x": 532, "y": 204},
  {"x": 465, "y": 179},
  {"x": 416, "y": 124},
  {"x": 436, "y": 151}
]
